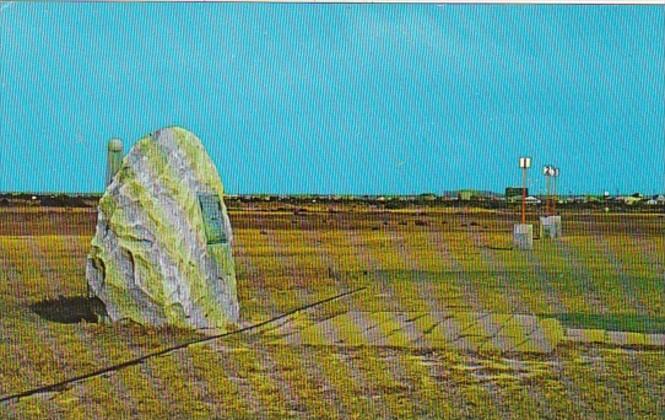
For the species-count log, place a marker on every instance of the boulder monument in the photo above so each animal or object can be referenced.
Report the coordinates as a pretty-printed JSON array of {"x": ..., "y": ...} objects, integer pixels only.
[{"x": 161, "y": 254}]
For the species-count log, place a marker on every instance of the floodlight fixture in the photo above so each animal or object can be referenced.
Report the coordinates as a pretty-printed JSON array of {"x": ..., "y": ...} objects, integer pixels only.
[
  {"x": 549, "y": 170},
  {"x": 525, "y": 162}
]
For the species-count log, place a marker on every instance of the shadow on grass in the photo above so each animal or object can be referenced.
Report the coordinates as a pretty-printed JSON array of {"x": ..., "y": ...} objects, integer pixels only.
[
  {"x": 498, "y": 248},
  {"x": 69, "y": 309},
  {"x": 611, "y": 322}
]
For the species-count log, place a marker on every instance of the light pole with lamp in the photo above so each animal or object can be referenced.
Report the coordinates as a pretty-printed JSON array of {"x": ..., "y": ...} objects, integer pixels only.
[
  {"x": 550, "y": 223},
  {"x": 556, "y": 219},
  {"x": 525, "y": 164},
  {"x": 523, "y": 233},
  {"x": 555, "y": 175},
  {"x": 548, "y": 171}
]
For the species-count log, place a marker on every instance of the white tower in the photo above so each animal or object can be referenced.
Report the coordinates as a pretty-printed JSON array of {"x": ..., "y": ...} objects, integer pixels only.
[{"x": 114, "y": 159}]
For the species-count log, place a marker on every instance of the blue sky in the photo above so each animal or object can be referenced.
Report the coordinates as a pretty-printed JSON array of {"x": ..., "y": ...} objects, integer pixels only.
[{"x": 350, "y": 99}]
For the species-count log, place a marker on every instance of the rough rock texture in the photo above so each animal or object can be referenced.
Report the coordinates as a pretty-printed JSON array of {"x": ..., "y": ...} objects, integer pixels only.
[{"x": 155, "y": 258}]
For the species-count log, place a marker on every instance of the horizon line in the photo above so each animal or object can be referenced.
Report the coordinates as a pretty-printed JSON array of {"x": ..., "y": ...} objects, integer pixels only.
[{"x": 446, "y": 193}]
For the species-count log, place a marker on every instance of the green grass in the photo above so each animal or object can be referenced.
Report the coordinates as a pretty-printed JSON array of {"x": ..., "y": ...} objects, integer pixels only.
[
  {"x": 407, "y": 267},
  {"x": 633, "y": 323}
]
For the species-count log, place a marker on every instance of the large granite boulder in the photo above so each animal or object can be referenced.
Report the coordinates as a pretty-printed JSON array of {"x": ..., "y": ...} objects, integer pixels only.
[{"x": 162, "y": 250}]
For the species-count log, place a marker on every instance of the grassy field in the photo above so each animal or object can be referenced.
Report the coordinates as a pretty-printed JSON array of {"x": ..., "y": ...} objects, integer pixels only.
[{"x": 607, "y": 272}]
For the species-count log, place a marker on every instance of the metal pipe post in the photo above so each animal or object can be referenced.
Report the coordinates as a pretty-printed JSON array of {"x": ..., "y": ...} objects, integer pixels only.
[
  {"x": 554, "y": 193},
  {"x": 547, "y": 194},
  {"x": 523, "y": 195}
]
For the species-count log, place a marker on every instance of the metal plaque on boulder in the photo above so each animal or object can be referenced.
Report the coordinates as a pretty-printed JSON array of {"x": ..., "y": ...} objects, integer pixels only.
[{"x": 211, "y": 208}]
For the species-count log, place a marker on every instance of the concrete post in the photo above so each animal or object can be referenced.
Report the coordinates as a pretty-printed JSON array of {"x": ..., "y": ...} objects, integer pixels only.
[
  {"x": 550, "y": 227},
  {"x": 523, "y": 236}
]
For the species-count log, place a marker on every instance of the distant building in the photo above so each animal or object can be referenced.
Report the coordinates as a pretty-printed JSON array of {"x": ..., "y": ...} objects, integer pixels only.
[
  {"x": 515, "y": 191},
  {"x": 656, "y": 200},
  {"x": 514, "y": 194},
  {"x": 427, "y": 196},
  {"x": 465, "y": 195},
  {"x": 629, "y": 199}
]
